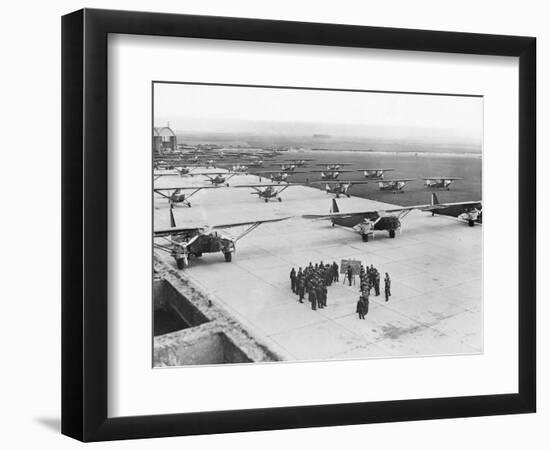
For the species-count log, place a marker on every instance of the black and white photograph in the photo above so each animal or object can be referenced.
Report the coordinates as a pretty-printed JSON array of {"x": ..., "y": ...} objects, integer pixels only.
[{"x": 299, "y": 224}]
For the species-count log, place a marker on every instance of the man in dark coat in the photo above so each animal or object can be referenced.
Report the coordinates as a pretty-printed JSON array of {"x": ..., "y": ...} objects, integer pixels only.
[
  {"x": 293, "y": 280},
  {"x": 312, "y": 297},
  {"x": 387, "y": 286},
  {"x": 319, "y": 293},
  {"x": 350, "y": 274},
  {"x": 335, "y": 271},
  {"x": 301, "y": 288},
  {"x": 376, "y": 282}
]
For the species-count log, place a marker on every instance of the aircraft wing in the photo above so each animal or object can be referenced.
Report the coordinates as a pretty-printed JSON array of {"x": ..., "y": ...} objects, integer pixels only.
[
  {"x": 393, "y": 180},
  {"x": 209, "y": 173},
  {"x": 334, "y": 164},
  {"x": 442, "y": 178},
  {"x": 181, "y": 188},
  {"x": 329, "y": 170},
  {"x": 374, "y": 169},
  {"x": 372, "y": 212},
  {"x": 437, "y": 206},
  {"x": 340, "y": 182},
  {"x": 175, "y": 231},
  {"x": 273, "y": 185},
  {"x": 252, "y": 222}
]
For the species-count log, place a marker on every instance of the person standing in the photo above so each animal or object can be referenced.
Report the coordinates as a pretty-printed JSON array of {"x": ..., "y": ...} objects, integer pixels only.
[
  {"x": 301, "y": 288},
  {"x": 377, "y": 282},
  {"x": 335, "y": 269},
  {"x": 319, "y": 293},
  {"x": 293, "y": 280},
  {"x": 387, "y": 286},
  {"x": 312, "y": 297},
  {"x": 350, "y": 274}
]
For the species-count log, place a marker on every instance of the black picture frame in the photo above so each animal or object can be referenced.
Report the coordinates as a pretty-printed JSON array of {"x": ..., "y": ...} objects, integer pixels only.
[{"x": 84, "y": 224}]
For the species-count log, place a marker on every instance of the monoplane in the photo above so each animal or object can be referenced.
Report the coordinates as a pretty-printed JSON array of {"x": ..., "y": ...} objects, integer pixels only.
[
  {"x": 266, "y": 191},
  {"x": 276, "y": 177},
  {"x": 217, "y": 178},
  {"x": 374, "y": 173},
  {"x": 330, "y": 174},
  {"x": 334, "y": 166},
  {"x": 338, "y": 187},
  {"x": 395, "y": 185},
  {"x": 367, "y": 222},
  {"x": 470, "y": 212},
  {"x": 183, "y": 242},
  {"x": 442, "y": 183},
  {"x": 175, "y": 195}
]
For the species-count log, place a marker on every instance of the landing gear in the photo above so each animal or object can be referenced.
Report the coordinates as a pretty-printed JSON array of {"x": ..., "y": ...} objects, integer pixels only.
[
  {"x": 227, "y": 256},
  {"x": 349, "y": 196},
  {"x": 280, "y": 199},
  {"x": 471, "y": 223},
  {"x": 392, "y": 234},
  {"x": 266, "y": 200},
  {"x": 365, "y": 237},
  {"x": 182, "y": 262}
]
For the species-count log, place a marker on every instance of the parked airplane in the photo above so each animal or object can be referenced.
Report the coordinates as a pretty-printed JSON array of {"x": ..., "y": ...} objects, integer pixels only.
[
  {"x": 374, "y": 173},
  {"x": 174, "y": 195},
  {"x": 338, "y": 187},
  {"x": 333, "y": 166},
  {"x": 270, "y": 192},
  {"x": 217, "y": 178},
  {"x": 367, "y": 222},
  {"x": 182, "y": 242},
  {"x": 239, "y": 168},
  {"x": 395, "y": 185},
  {"x": 299, "y": 162},
  {"x": 440, "y": 182},
  {"x": 467, "y": 211},
  {"x": 277, "y": 177},
  {"x": 330, "y": 174}
]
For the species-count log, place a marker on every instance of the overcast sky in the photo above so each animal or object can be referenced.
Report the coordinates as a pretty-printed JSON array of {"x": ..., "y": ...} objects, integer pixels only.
[{"x": 198, "y": 108}]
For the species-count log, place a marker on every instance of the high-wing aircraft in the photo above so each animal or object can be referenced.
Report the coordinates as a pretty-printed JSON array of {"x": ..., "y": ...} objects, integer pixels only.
[
  {"x": 367, "y": 222},
  {"x": 277, "y": 177},
  {"x": 330, "y": 174},
  {"x": 217, "y": 178},
  {"x": 269, "y": 192},
  {"x": 334, "y": 166},
  {"x": 182, "y": 242},
  {"x": 467, "y": 211},
  {"x": 239, "y": 168},
  {"x": 288, "y": 167},
  {"x": 175, "y": 196},
  {"x": 440, "y": 182},
  {"x": 395, "y": 185},
  {"x": 374, "y": 173},
  {"x": 338, "y": 187},
  {"x": 299, "y": 162}
]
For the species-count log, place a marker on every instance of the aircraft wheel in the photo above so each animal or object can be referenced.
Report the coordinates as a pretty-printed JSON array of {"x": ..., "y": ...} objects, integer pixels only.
[
  {"x": 392, "y": 234},
  {"x": 470, "y": 223},
  {"x": 227, "y": 184},
  {"x": 266, "y": 200},
  {"x": 365, "y": 237},
  {"x": 227, "y": 256},
  {"x": 349, "y": 196},
  {"x": 189, "y": 204},
  {"x": 198, "y": 255},
  {"x": 182, "y": 263},
  {"x": 280, "y": 199}
]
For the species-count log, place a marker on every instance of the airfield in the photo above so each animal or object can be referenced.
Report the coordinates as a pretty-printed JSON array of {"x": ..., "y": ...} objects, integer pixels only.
[{"x": 435, "y": 265}]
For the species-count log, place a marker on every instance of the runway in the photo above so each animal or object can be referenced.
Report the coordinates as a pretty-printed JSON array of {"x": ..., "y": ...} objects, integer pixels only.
[{"x": 435, "y": 265}]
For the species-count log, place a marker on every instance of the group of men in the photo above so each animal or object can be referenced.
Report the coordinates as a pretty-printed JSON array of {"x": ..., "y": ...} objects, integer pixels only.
[
  {"x": 370, "y": 279},
  {"x": 313, "y": 280}
]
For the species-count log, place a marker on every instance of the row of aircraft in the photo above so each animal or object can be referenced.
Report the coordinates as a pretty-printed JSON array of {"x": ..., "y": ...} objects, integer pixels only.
[{"x": 183, "y": 242}]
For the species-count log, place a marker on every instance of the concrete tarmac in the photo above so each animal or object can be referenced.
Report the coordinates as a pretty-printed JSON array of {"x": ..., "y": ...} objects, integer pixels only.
[{"x": 435, "y": 265}]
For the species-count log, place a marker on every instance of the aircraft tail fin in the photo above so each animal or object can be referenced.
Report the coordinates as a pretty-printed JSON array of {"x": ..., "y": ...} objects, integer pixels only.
[
  {"x": 334, "y": 208},
  {"x": 172, "y": 220},
  {"x": 435, "y": 201}
]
